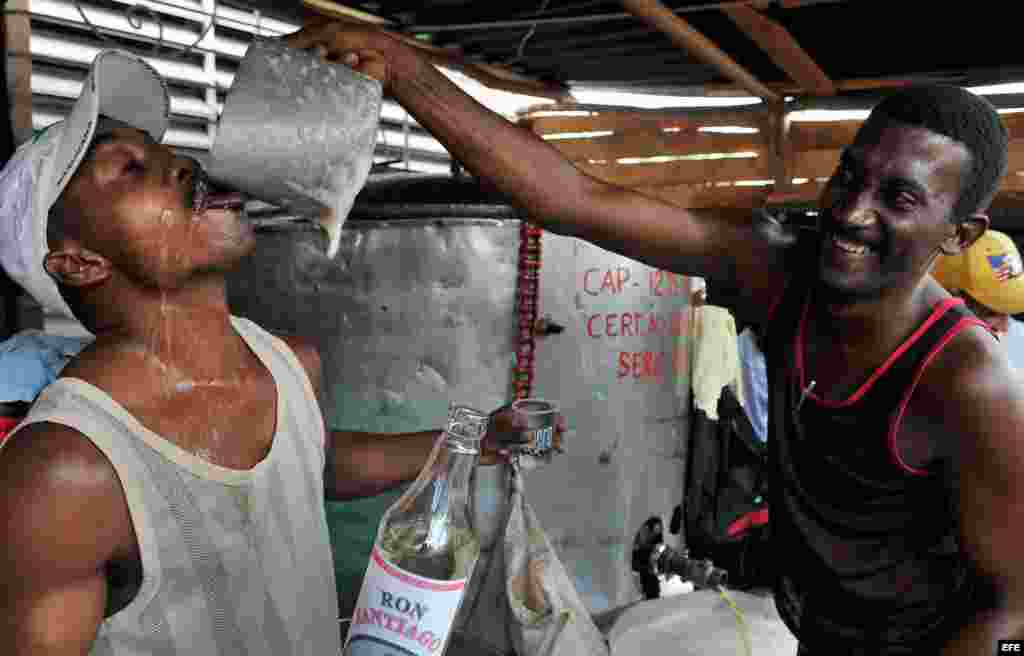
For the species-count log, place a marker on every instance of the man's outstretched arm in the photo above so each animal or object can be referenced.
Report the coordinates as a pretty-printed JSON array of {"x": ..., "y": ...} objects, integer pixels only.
[
  {"x": 721, "y": 245},
  {"x": 361, "y": 464}
]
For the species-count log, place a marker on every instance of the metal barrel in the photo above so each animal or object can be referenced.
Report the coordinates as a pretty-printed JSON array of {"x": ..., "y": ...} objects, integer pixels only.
[{"x": 415, "y": 313}]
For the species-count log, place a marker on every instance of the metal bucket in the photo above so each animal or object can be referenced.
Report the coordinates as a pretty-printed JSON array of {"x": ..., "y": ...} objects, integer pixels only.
[
  {"x": 297, "y": 132},
  {"x": 416, "y": 312}
]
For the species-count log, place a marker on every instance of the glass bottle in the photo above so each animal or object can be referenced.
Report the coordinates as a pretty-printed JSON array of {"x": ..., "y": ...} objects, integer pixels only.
[{"x": 424, "y": 555}]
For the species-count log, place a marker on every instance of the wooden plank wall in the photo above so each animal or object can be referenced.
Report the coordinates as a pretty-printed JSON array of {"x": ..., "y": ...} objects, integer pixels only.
[{"x": 685, "y": 177}]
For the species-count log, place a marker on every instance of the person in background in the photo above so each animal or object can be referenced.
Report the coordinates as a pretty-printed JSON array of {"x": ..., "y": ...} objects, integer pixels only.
[{"x": 989, "y": 276}]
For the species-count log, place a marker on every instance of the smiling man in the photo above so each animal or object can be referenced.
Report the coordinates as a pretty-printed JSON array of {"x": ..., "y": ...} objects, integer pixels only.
[
  {"x": 165, "y": 495},
  {"x": 895, "y": 422}
]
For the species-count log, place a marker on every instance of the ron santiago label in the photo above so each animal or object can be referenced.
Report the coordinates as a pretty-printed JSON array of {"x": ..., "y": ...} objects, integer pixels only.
[{"x": 401, "y": 613}]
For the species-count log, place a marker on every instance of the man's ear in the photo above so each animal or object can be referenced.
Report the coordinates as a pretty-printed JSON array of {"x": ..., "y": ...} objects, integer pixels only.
[
  {"x": 75, "y": 266},
  {"x": 965, "y": 233}
]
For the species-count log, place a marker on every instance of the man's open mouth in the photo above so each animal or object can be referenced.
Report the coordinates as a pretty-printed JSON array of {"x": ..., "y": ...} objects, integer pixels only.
[
  {"x": 233, "y": 200},
  {"x": 206, "y": 197},
  {"x": 850, "y": 244}
]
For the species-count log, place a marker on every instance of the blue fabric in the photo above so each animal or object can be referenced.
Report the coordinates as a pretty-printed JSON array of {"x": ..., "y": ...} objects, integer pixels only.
[
  {"x": 1014, "y": 343},
  {"x": 31, "y": 360},
  {"x": 755, "y": 383}
]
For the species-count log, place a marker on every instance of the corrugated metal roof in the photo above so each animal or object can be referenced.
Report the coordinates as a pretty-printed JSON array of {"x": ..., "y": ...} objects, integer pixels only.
[{"x": 63, "y": 45}]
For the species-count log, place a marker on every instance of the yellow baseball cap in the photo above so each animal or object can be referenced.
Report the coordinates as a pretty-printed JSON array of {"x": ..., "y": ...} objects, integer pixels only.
[{"x": 990, "y": 271}]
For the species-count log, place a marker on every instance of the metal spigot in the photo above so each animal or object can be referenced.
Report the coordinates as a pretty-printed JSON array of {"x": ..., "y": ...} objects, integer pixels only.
[
  {"x": 664, "y": 560},
  {"x": 545, "y": 326},
  {"x": 653, "y": 558},
  {"x": 650, "y": 535}
]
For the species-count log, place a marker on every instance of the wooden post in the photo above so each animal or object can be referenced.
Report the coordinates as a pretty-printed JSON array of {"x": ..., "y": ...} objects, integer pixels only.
[
  {"x": 17, "y": 119},
  {"x": 7, "y": 289},
  {"x": 17, "y": 28},
  {"x": 777, "y": 149},
  {"x": 6, "y": 133}
]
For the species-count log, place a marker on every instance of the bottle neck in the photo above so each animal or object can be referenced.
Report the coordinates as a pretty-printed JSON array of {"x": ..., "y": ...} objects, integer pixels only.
[
  {"x": 461, "y": 446},
  {"x": 449, "y": 500},
  {"x": 455, "y": 467},
  {"x": 464, "y": 430},
  {"x": 457, "y": 460}
]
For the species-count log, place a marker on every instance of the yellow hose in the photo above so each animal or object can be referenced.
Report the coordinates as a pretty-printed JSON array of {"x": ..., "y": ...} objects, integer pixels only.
[{"x": 741, "y": 622}]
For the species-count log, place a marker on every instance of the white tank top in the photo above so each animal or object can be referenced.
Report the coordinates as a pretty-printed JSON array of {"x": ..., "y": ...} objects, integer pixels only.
[{"x": 234, "y": 562}]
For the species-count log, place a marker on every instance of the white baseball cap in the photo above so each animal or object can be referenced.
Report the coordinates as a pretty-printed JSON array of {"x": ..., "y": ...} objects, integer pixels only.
[{"x": 121, "y": 86}]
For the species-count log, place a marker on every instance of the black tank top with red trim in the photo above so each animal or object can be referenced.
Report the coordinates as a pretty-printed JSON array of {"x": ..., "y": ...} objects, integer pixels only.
[{"x": 868, "y": 547}]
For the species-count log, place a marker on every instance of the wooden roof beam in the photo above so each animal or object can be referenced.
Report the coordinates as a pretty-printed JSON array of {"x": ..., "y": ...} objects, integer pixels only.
[
  {"x": 660, "y": 17},
  {"x": 679, "y": 133},
  {"x": 776, "y": 41},
  {"x": 336, "y": 10},
  {"x": 495, "y": 77},
  {"x": 1010, "y": 197},
  {"x": 788, "y": 88},
  {"x": 724, "y": 173},
  {"x": 649, "y": 143},
  {"x": 546, "y": 119}
]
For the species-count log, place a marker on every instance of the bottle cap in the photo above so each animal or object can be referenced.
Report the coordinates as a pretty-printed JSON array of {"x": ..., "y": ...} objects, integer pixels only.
[{"x": 466, "y": 423}]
